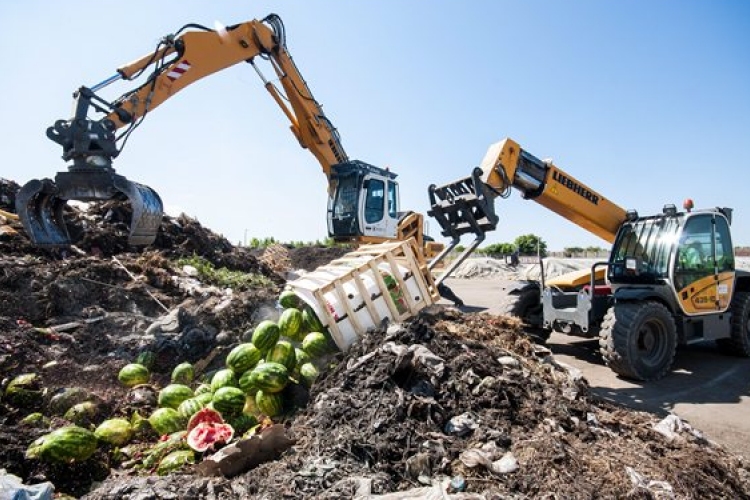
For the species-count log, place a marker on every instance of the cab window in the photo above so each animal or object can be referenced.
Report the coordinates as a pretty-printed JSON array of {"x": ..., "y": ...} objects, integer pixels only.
[
  {"x": 375, "y": 201},
  {"x": 392, "y": 200},
  {"x": 695, "y": 256}
]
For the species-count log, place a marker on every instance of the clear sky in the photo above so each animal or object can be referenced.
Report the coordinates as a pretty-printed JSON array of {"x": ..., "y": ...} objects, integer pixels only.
[{"x": 647, "y": 102}]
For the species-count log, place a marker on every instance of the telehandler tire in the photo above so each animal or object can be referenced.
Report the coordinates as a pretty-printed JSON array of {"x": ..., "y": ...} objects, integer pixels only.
[
  {"x": 638, "y": 340},
  {"x": 738, "y": 344},
  {"x": 525, "y": 304}
]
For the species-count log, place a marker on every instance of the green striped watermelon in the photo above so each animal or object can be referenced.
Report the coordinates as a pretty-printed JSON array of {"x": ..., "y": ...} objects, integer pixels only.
[
  {"x": 174, "y": 461},
  {"x": 265, "y": 335},
  {"x": 183, "y": 373},
  {"x": 133, "y": 374},
  {"x": 315, "y": 344},
  {"x": 243, "y": 357},
  {"x": 191, "y": 406},
  {"x": 289, "y": 299},
  {"x": 64, "y": 445},
  {"x": 166, "y": 421},
  {"x": 202, "y": 389},
  {"x": 308, "y": 374},
  {"x": 290, "y": 323},
  {"x": 229, "y": 401},
  {"x": 310, "y": 321},
  {"x": 269, "y": 404},
  {"x": 269, "y": 377},
  {"x": 223, "y": 378},
  {"x": 174, "y": 394},
  {"x": 115, "y": 431},
  {"x": 283, "y": 353}
]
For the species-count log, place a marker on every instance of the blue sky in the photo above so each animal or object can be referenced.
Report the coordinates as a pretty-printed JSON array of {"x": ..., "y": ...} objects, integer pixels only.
[{"x": 647, "y": 102}]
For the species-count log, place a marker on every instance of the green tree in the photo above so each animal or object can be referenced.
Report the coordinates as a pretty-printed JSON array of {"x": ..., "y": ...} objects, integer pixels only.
[
  {"x": 529, "y": 243},
  {"x": 571, "y": 251},
  {"x": 498, "y": 249}
]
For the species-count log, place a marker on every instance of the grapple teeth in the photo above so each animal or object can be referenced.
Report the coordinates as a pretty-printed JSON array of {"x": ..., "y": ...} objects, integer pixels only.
[
  {"x": 40, "y": 210},
  {"x": 147, "y": 210},
  {"x": 40, "y": 205}
]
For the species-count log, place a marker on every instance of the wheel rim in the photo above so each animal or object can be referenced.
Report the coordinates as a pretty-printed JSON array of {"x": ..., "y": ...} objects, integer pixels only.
[{"x": 652, "y": 343}]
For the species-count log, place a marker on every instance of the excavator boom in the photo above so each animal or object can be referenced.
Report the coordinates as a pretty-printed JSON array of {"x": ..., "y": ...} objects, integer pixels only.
[{"x": 194, "y": 52}]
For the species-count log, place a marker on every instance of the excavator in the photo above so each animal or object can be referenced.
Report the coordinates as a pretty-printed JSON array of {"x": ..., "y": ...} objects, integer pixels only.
[
  {"x": 363, "y": 202},
  {"x": 670, "y": 278}
]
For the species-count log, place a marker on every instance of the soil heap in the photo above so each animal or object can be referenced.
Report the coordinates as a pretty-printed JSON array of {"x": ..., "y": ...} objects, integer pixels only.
[{"x": 461, "y": 404}]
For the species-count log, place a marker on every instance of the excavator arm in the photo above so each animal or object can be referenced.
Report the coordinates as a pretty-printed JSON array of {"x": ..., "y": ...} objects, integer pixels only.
[{"x": 194, "y": 52}]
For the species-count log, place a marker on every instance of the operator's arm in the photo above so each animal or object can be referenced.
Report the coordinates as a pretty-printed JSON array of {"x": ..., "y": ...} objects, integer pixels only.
[{"x": 507, "y": 165}]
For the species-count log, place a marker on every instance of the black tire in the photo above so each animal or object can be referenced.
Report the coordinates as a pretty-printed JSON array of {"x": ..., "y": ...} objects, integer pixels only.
[
  {"x": 525, "y": 304},
  {"x": 638, "y": 340},
  {"x": 738, "y": 344}
]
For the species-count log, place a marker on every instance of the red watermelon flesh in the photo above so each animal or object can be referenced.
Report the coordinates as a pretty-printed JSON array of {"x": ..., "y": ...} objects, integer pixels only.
[
  {"x": 205, "y": 415},
  {"x": 205, "y": 435}
]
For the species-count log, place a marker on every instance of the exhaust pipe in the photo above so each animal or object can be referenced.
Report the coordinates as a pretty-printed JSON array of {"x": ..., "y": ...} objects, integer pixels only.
[{"x": 40, "y": 204}]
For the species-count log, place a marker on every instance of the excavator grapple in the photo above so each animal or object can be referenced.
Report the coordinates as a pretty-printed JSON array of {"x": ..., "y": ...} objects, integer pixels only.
[
  {"x": 89, "y": 146},
  {"x": 40, "y": 204}
]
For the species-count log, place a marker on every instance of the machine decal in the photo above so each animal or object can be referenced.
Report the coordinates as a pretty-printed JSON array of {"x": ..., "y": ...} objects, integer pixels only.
[
  {"x": 574, "y": 186},
  {"x": 179, "y": 70}
]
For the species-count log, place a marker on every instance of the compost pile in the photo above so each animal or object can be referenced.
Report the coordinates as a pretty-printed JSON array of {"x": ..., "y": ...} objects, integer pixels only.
[{"x": 447, "y": 402}]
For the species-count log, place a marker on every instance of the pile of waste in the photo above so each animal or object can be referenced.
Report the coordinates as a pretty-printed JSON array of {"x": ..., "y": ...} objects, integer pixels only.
[{"x": 453, "y": 404}]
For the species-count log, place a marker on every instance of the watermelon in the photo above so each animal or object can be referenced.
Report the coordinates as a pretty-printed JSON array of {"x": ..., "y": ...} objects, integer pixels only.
[
  {"x": 290, "y": 322},
  {"x": 205, "y": 397},
  {"x": 166, "y": 421},
  {"x": 174, "y": 461},
  {"x": 191, "y": 406},
  {"x": 315, "y": 344},
  {"x": 289, "y": 299},
  {"x": 83, "y": 414},
  {"x": 115, "y": 431},
  {"x": 207, "y": 428},
  {"x": 243, "y": 422},
  {"x": 223, "y": 378},
  {"x": 35, "y": 420},
  {"x": 202, "y": 388},
  {"x": 269, "y": 377},
  {"x": 229, "y": 400},
  {"x": 205, "y": 415},
  {"x": 301, "y": 356},
  {"x": 133, "y": 374},
  {"x": 147, "y": 359},
  {"x": 269, "y": 404},
  {"x": 250, "y": 407},
  {"x": 247, "y": 383},
  {"x": 66, "y": 444},
  {"x": 243, "y": 357},
  {"x": 25, "y": 391},
  {"x": 283, "y": 353},
  {"x": 308, "y": 374},
  {"x": 183, "y": 373},
  {"x": 174, "y": 394},
  {"x": 310, "y": 321},
  {"x": 265, "y": 335}
]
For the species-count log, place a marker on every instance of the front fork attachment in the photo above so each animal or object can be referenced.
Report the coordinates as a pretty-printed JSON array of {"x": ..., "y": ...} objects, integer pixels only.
[{"x": 40, "y": 204}]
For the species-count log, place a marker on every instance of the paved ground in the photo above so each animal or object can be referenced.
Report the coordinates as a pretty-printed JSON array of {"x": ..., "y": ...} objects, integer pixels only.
[{"x": 706, "y": 388}]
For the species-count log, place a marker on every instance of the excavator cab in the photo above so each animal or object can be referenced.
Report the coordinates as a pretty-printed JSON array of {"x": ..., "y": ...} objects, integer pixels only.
[{"x": 363, "y": 202}]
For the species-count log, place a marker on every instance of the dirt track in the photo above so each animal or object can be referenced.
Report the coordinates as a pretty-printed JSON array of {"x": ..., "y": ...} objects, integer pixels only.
[{"x": 708, "y": 389}]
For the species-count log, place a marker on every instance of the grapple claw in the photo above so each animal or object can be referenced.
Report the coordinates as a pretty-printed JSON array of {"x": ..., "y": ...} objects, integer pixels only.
[
  {"x": 40, "y": 211},
  {"x": 40, "y": 204}
]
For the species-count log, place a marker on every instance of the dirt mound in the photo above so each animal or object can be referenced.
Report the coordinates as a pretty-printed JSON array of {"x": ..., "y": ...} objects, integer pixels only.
[
  {"x": 445, "y": 398},
  {"x": 465, "y": 397}
]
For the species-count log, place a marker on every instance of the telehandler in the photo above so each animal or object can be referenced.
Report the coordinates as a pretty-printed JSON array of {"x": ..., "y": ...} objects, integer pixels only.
[{"x": 670, "y": 278}]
